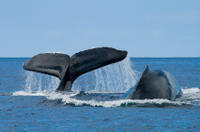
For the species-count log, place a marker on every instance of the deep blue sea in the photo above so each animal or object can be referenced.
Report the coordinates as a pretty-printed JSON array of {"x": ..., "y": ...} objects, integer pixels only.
[{"x": 29, "y": 103}]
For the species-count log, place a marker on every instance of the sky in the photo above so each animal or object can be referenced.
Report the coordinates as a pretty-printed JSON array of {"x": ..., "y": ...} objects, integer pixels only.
[{"x": 145, "y": 28}]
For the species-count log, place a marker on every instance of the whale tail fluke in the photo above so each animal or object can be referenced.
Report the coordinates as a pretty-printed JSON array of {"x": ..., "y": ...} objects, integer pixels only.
[
  {"x": 68, "y": 69},
  {"x": 54, "y": 64},
  {"x": 92, "y": 59}
]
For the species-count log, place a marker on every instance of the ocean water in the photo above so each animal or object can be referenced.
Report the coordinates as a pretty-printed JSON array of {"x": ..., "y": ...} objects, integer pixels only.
[{"x": 28, "y": 101}]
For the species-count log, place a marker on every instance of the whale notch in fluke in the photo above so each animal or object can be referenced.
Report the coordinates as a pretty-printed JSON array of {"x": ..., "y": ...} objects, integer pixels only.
[
  {"x": 153, "y": 84},
  {"x": 67, "y": 68}
]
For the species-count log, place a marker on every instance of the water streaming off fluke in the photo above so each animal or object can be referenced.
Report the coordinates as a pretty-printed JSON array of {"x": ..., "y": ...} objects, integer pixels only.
[{"x": 118, "y": 77}]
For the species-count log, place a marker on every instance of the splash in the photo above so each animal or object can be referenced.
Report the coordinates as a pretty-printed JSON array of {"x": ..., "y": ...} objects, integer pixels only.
[
  {"x": 40, "y": 82},
  {"x": 118, "y": 77},
  {"x": 190, "y": 91},
  {"x": 68, "y": 99},
  {"x": 189, "y": 95}
]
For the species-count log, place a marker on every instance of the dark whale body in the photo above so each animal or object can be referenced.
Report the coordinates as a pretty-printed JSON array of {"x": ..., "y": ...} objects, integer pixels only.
[
  {"x": 67, "y": 68},
  {"x": 153, "y": 84}
]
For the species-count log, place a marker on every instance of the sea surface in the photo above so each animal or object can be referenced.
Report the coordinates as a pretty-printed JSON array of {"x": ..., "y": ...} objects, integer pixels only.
[{"x": 29, "y": 103}]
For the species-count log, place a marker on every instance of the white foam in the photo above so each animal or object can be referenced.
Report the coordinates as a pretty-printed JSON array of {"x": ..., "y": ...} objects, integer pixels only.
[
  {"x": 190, "y": 95},
  {"x": 190, "y": 90},
  {"x": 25, "y": 93},
  {"x": 66, "y": 99}
]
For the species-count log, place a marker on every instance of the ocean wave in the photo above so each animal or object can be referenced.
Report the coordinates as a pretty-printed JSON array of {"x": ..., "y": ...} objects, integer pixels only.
[
  {"x": 189, "y": 95},
  {"x": 70, "y": 99},
  {"x": 123, "y": 103},
  {"x": 189, "y": 91},
  {"x": 25, "y": 93}
]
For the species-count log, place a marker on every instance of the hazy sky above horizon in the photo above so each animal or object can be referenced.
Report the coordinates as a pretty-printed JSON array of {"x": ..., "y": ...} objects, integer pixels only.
[{"x": 145, "y": 28}]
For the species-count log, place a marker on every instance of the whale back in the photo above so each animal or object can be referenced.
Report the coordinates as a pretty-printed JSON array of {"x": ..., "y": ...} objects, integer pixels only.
[{"x": 153, "y": 84}]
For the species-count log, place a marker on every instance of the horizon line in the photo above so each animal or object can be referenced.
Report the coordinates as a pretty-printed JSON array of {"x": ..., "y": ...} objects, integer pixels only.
[{"x": 131, "y": 57}]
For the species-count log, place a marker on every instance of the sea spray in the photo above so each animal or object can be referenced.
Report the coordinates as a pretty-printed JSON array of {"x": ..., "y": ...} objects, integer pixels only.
[
  {"x": 117, "y": 77},
  {"x": 191, "y": 95},
  {"x": 40, "y": 82}
]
